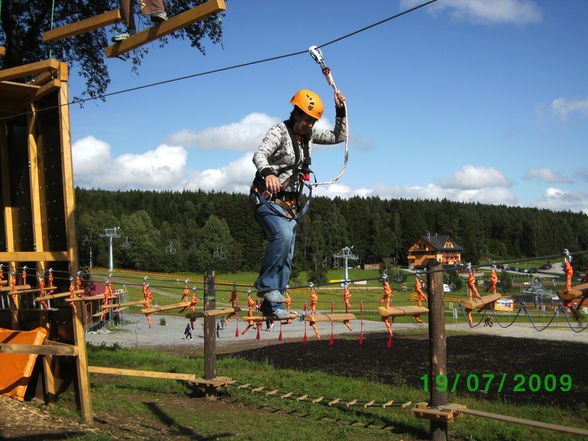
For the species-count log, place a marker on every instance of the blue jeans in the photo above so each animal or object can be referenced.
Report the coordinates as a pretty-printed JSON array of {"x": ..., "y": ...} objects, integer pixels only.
[{"x": 277, "y": 262}]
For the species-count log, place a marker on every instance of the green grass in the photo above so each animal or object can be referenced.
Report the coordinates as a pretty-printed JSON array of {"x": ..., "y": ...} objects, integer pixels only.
[{"x": 257, "y": 416}]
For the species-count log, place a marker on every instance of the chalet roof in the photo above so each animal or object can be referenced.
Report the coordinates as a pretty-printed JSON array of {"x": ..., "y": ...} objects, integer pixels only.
[{"x": 438, "y": 242}]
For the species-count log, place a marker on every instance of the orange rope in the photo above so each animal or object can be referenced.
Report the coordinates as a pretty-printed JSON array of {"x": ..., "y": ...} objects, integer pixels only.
[
  {"x": 288, "y": 304},
  {"x": 186, "y": 292},
  {"x": 569, "y": 272},
  {"x": 13, "y": 287},
  {"x": 418, "y": 287},
  {"x": 24, "y": 275},
  {"x": 42, "y": 294},
  {"x": 347, "y": 301},
  {"x": 251, "y": 305},
  {"x": 51, "y": 280},
  {"x": 313, "y": 302},
  {"x": 387, "y": 301},
  {"x": 234, "y": 303},
  {"x": 147, "y": 296},
  {"x": 107, "y": 300},
  {"x": 493, "y": 281},
  {"x": 193, "y": 302},
  {"x": 72, "y": 295}
]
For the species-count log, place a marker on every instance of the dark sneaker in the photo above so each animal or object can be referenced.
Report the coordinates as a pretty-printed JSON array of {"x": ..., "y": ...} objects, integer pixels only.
[
  {"x": 273, "y": 296},
  {"x": 281, "y": 314},
  {"x": 158, "y": 17}
]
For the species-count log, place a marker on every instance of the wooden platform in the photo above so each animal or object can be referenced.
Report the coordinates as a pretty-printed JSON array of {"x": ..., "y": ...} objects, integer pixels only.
[
  {"x": 478, "y": 303},
  {"x": 82, "y": 26},
  {"x": 214, "y": 382},
  {"x": 269, "y": 317},
  {"x": 398, "y": 311},
  {"x": 173, "y": 24},
  {"x": 576, "y": 292},
  {"x": 165, "y": 307},
  {"x": 212, "y": 312},
  {"x": 329, "y": 317}
]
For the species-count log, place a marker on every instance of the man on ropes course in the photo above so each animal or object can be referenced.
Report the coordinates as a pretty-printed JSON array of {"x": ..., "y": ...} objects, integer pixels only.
[
  {"x": 283, "y": 169},
  {"x": 154, "y": 8}
]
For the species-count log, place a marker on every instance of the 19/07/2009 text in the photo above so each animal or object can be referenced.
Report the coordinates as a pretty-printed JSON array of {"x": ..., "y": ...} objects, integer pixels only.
[{"x": 498, "y": 383}]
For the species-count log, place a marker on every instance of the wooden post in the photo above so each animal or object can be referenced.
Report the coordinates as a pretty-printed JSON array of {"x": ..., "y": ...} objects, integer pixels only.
[
  {"x": 209, "y": 326},
  {"x": 437, "y": 345},
  {"x": 83, "y": 381}
]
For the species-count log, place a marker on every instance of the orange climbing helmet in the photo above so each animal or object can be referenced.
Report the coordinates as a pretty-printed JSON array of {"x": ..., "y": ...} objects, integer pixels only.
[{"x": 309, "y": 102}]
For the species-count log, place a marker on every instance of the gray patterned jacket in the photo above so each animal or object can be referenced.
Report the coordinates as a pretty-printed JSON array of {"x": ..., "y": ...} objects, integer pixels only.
[{"x": 276, "y": 154}]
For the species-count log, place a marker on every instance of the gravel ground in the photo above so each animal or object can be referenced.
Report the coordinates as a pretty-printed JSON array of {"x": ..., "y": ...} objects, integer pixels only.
[{"x": 136, "y": 333}]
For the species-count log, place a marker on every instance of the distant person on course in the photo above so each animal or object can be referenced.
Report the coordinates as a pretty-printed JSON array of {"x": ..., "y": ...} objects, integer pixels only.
[
  {"x": 283, "y": 162},
  {"x": 154, "y": 8}
]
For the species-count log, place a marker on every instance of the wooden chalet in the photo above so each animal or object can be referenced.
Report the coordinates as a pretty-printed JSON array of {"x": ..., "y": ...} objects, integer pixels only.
[{"x": 440, "y": 247}]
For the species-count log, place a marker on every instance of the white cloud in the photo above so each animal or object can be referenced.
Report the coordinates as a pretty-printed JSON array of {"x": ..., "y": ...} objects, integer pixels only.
[
  {"x": 557, "y": 199},
  {"x": 471, "y": 177},
  {"x": 494, "y": 195},
  {"x": 235, "y": 177},
  {"x": 565, "y": 109},
  {"x": 157, "y": 169},
  {"x": 546, "y": 174},
  {"x": 245, "y": 135},
  {"x": 486, "y": 11}
]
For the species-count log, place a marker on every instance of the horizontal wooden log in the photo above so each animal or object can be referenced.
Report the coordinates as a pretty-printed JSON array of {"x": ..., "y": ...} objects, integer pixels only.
[
  {"x": 329, "y": 317},
  {"x": 9, "y": 288},
  {"x": 29, "y": 291},
  {"x": 33, "y": 256},
  {"x": 173, "y": 24},
  {"x": 59, "y": 295},
  {"x": 399, "y": 311},
  {"x": 478, "y": 303},
  {"x": 82, "y": 26},
  {"x": 215, "y": 382},
  {"x": 165, "y": 307},
  {"x": 423, "y": 411},
  {"x": 270, "y": 317},
  {"x": 212, "y": 312},
  {"x": 45, "y": 349},
  {"x": 91, "y": 298},
  {"x": 119, "y": 305},
  {"x": 47, "y": 88},
  {"x": 24, "y": 71}
]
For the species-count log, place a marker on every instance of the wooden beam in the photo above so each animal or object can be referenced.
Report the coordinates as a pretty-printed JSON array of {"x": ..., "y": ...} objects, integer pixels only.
[
  {"x": 173, "y": 24},
  {"x": 212, "y": 312},
  {"x": 46, "y": 349},
  {"x": 47, "y": 88},
  {"x": 120, "y": 305},
  {"x": 33, "y": 256},
  {"x": 329, "y": 317},
  {"x": 29, "y": 69},
  {"x": 165, "y": 307},
  {"x": 215, "y": 382},
  {"x": 269, "y": 317},
  {"x": 42, "y": 78},
  {"x": 28, "y": 291},
  {"x": 82, "y": 377},
  {"x": 478, "y": 303},
  {"x": 2, "y": 51},
  {"x": 89, "y": 298},
  {"x": 60, "y": 295},
  {"x": 67, "y": 170},
  {"x": 397, "y": 311},
  {"x": 82, "y": 26},
  {"x": 9, "y": 288}
]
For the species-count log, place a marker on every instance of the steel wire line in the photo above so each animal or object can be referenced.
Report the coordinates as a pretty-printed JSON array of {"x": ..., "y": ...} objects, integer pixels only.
[{"x": 222, "y": 69}]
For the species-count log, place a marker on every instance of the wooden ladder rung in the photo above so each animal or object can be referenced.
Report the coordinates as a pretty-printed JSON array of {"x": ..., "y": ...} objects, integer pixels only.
[
  {"x": 82, "y": 26},
  {"x": 165, "y": 307},
  {"x": 478, "y": 303},
  {"x": 329, "y": 317},
  {"x": 398, "y": 311}
]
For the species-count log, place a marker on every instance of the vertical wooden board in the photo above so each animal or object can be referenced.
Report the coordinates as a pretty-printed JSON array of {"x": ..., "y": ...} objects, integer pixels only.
[
  {"x": 83, "y": 380},
  {"x": 34, "y": 183},
  {"x": 7, "y": 239},
  {"x": 67, "y": 171}
]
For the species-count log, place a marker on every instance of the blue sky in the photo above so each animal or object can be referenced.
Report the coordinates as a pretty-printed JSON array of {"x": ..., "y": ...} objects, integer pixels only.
[{"x": 469, "y": 100}]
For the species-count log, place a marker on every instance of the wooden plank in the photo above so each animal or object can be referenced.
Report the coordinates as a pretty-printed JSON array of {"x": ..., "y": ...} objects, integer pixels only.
[
  {"x": 17, "y": 94},
  {"x": 89, "y": 298},
  {"x": 29, "y": 69},
  {"x": 60, "y": 295},
  {"x": 42, "y": 78},
  {"x": 119, "y": 305},
  {"x": 2, "y": 51},
  {"x": 173, "y": 24},
  {"x": 165, "y": 307},
  {"x": 47, "y": 88},
  {"x": 67, "y": 171},
  {"x": 9, "y": 348},
  {"x": 7, "y": 200},
  {"x": 478, "y": 303},
  {"x": 82, "y": 377},
  {"x": 32, "y": 256},
  {"x": 269, "y": 317},
  {"x": 329, "y": 317},
  {"x": 82, "y": 26},
  {"x": 28, "y": 291},
  {"x": 212, "y": 312},
  {"x": 9, "y": 288},
  {"x": 397, "y": 311}
]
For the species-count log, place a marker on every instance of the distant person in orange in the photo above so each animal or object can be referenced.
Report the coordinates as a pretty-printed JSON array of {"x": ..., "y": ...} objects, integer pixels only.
[{"x": 154, "y": 8}]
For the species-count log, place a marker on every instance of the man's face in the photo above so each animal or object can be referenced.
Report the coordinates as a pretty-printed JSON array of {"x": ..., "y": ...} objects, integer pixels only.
[{"x": 304, "y": 124}]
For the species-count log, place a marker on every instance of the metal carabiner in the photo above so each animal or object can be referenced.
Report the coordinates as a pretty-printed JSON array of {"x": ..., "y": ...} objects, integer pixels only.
[{"x": 317, "y": 55}]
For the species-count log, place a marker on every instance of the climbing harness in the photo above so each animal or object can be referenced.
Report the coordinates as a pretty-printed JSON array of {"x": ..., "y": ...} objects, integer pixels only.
[{"x": 317, "y": 55}]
